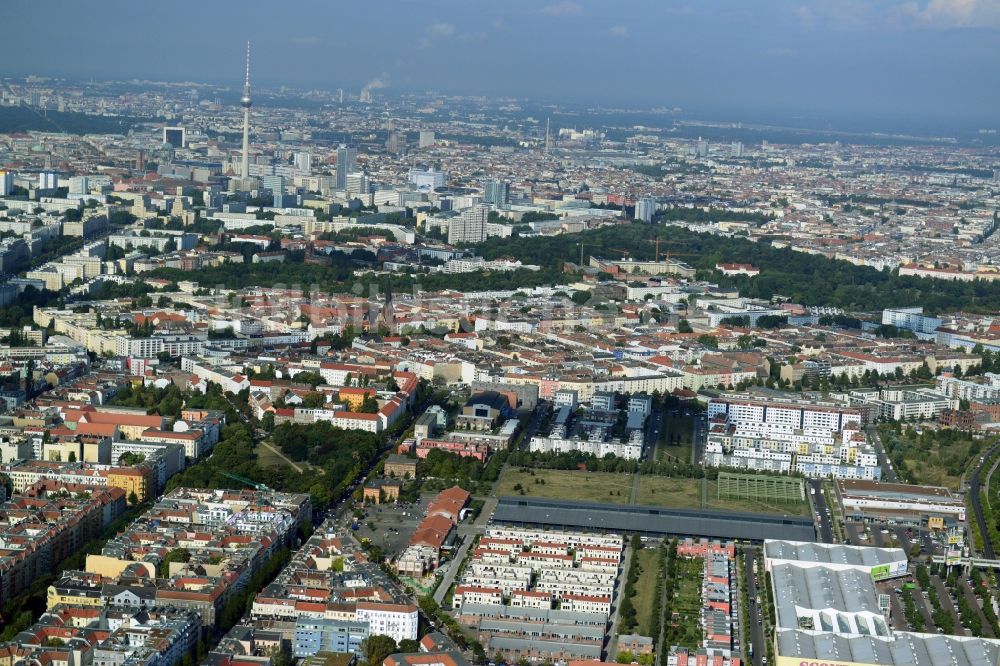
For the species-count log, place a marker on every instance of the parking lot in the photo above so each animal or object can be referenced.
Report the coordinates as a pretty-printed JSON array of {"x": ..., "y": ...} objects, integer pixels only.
[{"x": 394, "y": 524}]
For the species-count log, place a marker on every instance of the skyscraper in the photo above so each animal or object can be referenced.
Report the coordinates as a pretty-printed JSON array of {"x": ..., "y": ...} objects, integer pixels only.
[
  {"x": 245, "y": 102},
  {"x": 426, "y": 138},
  {"x": 701, "y": 148},
  {"x": 497, "y": 193},
  {"x": 6, "y": 183},
  {"x": 470, "y": 226},
  {"x": 175, "y": 136},
  {"x": 303, "y": 162},
  {"x": 644, "y": 209},
  {"x": 346, "y": 163}
]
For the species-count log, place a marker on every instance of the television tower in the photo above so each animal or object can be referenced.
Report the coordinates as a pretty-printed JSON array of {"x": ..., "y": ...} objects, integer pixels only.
[{"x": 245, "y": 102}]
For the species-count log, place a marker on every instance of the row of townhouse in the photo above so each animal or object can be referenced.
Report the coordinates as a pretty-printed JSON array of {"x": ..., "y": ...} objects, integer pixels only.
[{"x": 41, "y": 528}]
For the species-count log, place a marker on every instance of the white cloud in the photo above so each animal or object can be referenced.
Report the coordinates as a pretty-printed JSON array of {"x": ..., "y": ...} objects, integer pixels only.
[
  {"x": 908, "y": 14},
  {"x": 618, "y": 31},
  {"x": 441, "y": 30},
  {"x": 960, "y": 14},
  {"x": 563, "y": 8}
]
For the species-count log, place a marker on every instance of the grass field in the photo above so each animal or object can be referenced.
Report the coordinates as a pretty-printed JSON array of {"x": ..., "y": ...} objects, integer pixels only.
[
  {"x": 565, "y": 484},
  {"x": 267, "y": 457},
  {"x": 675, "y": 493},
  {"x": 678, "y": 493},
  {"x": 675, "y": 437},
  {"x": 650, "y": 561}
]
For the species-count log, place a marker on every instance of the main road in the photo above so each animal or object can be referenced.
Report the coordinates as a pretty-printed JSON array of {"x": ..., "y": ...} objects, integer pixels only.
[
  {"x": 756, "y": 631},
  {"x": 822, "y": 511},
  {"x": 888, "y": 473},
  {"x": 974, "y": 489}
]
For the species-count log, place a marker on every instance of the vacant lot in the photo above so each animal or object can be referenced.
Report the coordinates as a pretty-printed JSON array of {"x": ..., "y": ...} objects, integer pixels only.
[
  {"x": 929, "y": 456},
  {"x": 565, "y": 484}
]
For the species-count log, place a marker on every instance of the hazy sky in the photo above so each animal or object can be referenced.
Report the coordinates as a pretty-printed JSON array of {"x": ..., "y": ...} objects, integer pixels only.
[{"x": 934, "y": 60}]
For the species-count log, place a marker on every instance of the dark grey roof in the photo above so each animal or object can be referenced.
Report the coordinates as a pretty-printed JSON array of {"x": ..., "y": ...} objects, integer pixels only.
[
  {"x": 489, "y": 398},
  {"x": 652, "y": 520}
]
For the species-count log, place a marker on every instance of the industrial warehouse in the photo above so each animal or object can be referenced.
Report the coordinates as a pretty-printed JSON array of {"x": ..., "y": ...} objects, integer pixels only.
[{"x": 827, "y": 610}]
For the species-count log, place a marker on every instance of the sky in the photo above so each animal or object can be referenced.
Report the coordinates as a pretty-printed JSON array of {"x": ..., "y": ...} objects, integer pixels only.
[{"x": 935, "y": 62}]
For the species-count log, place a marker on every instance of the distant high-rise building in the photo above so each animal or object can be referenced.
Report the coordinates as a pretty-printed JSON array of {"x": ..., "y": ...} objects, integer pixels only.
[
  {"x": 427, "y": 179},
  {"x": 48, "y": 181},
  {"x": 175, "y": 136},
  {"x": 470, "y": 226},
  {"x": 737, "y": 149},
  {"x": 6, "y": 183},
  {"x": 645, "y": 208},
  {"x": 366, "y": 96},
  {"x": 276, "y": 184},
  {"x": 36, "y": 99},
  {"x": 346, "y": 163},
  {"x": 79, "y": 185},
  {"x": 303, "y": 162},
  {"x": 701, "y": 148},
  {"x": 246, "y": 102},
  {"x": 396, "y": 142},
  {"x": 357, "y": 184},
  {"x": 497, "y": 193},
  {"x": 426, "y": 138},
  {"x": 340, "y": 95}
]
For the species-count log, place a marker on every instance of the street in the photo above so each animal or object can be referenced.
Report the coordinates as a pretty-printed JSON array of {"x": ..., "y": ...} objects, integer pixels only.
[
  {"x": 822, "y": 511},
  {"x": 974, "y": 489},
  {"x": 888, "y": 473},
  {"x": 756, "y": 631}
]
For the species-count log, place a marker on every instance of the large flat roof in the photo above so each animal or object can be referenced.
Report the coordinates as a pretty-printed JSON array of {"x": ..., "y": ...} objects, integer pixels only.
[
  {"x": 904, "y": 648},
  {"x": 839, "y": 554},
  {"x": 896, "y": 491},
  {"x": 652, "y": 520}
]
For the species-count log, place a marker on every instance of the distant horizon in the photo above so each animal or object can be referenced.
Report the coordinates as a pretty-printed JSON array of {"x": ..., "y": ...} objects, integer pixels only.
[
  {"x": 852, "y": 123},
  {"x": 924, "y": 62}
]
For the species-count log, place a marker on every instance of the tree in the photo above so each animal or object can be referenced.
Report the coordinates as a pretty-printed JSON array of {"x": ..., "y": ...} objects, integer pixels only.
[
  {"x": 408, "y": 645},
  {"x": 376, "y": 648},
  {"x": 709, "y": 341},
  {"x": 683, "y": 326},
  {"x": 581, "y": 297},
  {"x": 133, "y": 499}
]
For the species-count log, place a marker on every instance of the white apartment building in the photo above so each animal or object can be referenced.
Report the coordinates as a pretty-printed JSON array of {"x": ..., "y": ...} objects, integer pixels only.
[{"x": 396, "y": 620}]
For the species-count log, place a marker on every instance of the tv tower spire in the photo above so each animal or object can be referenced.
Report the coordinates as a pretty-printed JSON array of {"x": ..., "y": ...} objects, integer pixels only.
[{"x": 245, "y": 102}]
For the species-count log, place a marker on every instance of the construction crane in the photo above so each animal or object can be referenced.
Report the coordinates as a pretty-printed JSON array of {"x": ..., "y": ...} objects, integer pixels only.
[
  {"x": 625, "y": 253},
  {"x": 667, "y": 253},
  {"x": 243, "y": 479}
]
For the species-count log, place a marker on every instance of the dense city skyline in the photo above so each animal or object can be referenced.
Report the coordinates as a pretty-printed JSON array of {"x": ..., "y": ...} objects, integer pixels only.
[{"x": 926, "y": 63}]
